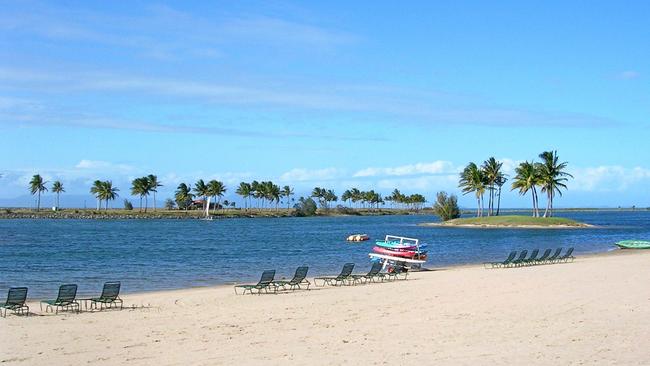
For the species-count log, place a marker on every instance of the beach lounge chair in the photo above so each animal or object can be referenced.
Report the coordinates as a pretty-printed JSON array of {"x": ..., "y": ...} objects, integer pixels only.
[
  {"x": 521, "y": 258},
  {"x": 372, "y": 274},
  {"x": 299, "y": 279},
  {"x": 396, "y": 272},
  {"x": 567, "y": 256},
  {"x": 341, "y": 279},
  {"x": 264, "y": 284},
  {"x": 15, "y": 301},
  {"x": 555, "y": 255},
  {"x": 65, "y": 300},
  {"x": 531, "y": 260},
  {"x": 110, "y": 296},
  {"x": 505, "y": 263},
  {"x": 543, "y": 258}
]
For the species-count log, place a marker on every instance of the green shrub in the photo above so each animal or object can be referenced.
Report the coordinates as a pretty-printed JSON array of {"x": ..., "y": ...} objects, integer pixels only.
[
  {"x": 169, "y": 204},
  {"x": 305, "y": 207},
  {"x": 127, "y": 205},
  {"x": 446, "y": 206},
  {"x": 343, "y": 210}
]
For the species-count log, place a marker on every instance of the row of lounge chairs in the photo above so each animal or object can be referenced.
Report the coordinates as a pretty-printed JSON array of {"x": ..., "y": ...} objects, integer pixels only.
[
  {"x": 524, "y": 260},
  {"x": 267, "y": 283},
  {"x": 66, "y": 300}
]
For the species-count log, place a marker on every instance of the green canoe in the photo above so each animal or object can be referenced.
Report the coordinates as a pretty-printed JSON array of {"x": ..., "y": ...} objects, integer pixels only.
[{"x": 634, "y": 244}]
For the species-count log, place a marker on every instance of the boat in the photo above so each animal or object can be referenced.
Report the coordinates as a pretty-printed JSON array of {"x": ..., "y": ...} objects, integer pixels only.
[
  {"x": 399, "y": 251},
  {"x": 358, "y": 237},
  {"x": 395, "y": 245},
  {"x": 633, "y": 244}
]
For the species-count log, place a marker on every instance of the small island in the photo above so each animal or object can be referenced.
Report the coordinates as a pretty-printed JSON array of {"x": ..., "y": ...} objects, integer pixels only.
[{"x": 511, "y": 221}]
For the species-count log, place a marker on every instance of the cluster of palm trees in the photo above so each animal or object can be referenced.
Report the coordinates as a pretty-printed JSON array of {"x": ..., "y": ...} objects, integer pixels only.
[
  {"x": 213, "y": 189},
  {"x": 549, "y": 176},
  {"x": 143, "y": 187},
  {"x": 264, "y": 192},
  {"x": 412, "y": 202},
  {"x": 324, "y": 196},
  {"x": 488, "y": 177},
  {"x": 37, "y": 187},
  {"x": 362, "y": 198},
  {"x": 104, "y": 192}
]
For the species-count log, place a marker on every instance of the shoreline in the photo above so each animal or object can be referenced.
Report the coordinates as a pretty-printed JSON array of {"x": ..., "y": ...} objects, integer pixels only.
[
  {"x": 90, "y": 214},
  {"x": 615, "y": 251},
  {"x": 506, "y": 226},
  {"x": 585, "y": 312}
]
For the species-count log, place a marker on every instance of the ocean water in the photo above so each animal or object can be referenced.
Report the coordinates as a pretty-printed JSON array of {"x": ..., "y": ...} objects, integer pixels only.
[{"x": 167, "y": 254}]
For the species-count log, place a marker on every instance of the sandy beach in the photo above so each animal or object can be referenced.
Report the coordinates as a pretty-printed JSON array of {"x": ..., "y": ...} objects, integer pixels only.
[{"x": 593, "y": 311}]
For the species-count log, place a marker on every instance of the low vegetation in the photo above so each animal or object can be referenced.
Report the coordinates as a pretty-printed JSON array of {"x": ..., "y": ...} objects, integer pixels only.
[
  {"x": 446, "y": 206},
  {"x": 514, "y": 220}
]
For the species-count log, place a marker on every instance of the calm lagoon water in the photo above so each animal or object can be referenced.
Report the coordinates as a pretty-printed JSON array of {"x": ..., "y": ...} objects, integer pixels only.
[{"x": 166, "y": 254}]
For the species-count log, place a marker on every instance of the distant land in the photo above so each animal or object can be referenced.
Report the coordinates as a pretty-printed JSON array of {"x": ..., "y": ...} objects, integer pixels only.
[{"x": 511, "y": 221}]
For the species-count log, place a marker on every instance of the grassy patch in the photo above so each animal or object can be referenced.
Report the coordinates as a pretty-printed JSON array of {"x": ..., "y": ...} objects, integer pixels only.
[{"x": 515, "y": 220}]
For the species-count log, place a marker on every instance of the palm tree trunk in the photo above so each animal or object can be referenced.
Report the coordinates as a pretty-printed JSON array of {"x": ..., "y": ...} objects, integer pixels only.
[
  {"x": 499, "y": 202},
  {"x": 548, "y": 204},
  {"x": 38, "y": 202},
  {"x": 207, "y": 207},
  {"x": 478, "y": 206},
  {"x": 532, "y": 194},
  {"x": 154, "y": 201},
  {"x": 146, "y": 203}
]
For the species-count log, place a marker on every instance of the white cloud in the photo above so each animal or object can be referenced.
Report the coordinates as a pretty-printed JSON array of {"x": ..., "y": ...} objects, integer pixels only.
[
  {"x": 607, "y": 178},
  {"x": 435, "y": 167},
  {"x": 629, "y": 75},
  {"x": 103, "y": 165},
  {"x": 303, "y": 175},
  {"x": 424, "y": 184}
]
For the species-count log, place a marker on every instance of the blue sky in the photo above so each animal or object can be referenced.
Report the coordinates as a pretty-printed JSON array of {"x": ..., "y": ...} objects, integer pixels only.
[{"x": 339, "y": 94}]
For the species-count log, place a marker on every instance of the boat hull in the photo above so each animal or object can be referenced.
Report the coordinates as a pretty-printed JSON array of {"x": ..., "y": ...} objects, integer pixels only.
[
  {"x": 398, "y": 253},
  {"x": 633, "y": 244}
]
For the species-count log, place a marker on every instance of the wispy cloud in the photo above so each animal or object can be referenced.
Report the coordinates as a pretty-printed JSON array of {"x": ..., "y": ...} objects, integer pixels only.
[
  {"x": 164, "y": 33},
  {"x": 283, "y": 31},
  {"x": 416, "y": 106},
  {"x": 608, "y": 178},
  {"x": 628, "y": 75},
  {"x": 436, "y": 167},
  {"x": 311, "y": 175}
]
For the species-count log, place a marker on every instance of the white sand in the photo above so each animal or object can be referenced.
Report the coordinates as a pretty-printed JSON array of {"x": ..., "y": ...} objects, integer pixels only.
[{"x": 593, "y": 311}]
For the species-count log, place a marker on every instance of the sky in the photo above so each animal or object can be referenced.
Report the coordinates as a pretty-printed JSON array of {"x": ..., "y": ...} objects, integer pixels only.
[{"x": 368, "y": 94}]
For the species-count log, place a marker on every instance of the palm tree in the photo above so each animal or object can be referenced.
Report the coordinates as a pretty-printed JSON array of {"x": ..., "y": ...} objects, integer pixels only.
[
  {"x": 57, "y": 188},
  {"x": 346, "y": 196},
  {"x": 491, "y": 171},
  {"x": 501, "y": 180},
  {"x": 396, "y": 197},
  {"x": 256, "y": 191},
  {"x": 108, "y": 192},
  {"x": 552, "y": 177},
  {"x": 154, "y": 184},
  {"x": 202, "y": 190},
  {"x": 216, "y": 189},
  {"x": 274, "y": 194},
  {"x": 96, "y": 190},
  {"x": 356, "y": 195},
  {"x": 183, "y": 196},
  {"x": 527, "y": 179},
  {"x": 472, "y": 180},
  {"x": 37, "y": 186},
  {"x": 287, "y": 192},
  {"x": 142, "y": 187},
  {"x": 245, "y": 191}
]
